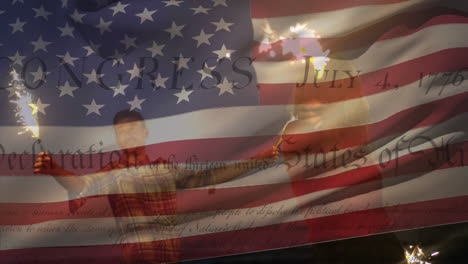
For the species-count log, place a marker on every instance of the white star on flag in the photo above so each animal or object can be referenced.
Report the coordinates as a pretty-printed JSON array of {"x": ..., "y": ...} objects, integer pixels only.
[
  {"x": 93, "y": 108},
  {"x": 160, "y": 81},
  {"x": 182, "y": 62},
  {"x": 146, "y": 15},
  {"x": 135, "y": 103},
  {"x": 203, "y": 38},
  {"x": 183, "y": 95},
  {"x": 128, "y": 42},
  {"x": 68, "y": 59},
  {"x": 17, "y": 58},
  {"x": 223, "y": 53},
  {"x": 40, "y": 44},
  {"x": 77, "y": 17},
  {"x": 156, "y": 49},
  {"x": 119, "y": 89},
  {"x": 172, "y": 3},
  {"x": 40, "y": 106},
  {"x": 135, "y": 72},
  {"x": 67, "y": 89},
  {"x": 222, "y": 25},
  {"x": 117, "y": 58},
  {"x": 67, "y": 30},
  {"x": 225, "y": 86},
  {"x": 103, "y": 26},
  {"x": 39, "y": 74},
  {"x": 175, "y": 30},
  {"x": 219, "y": 2},
  {"x": 11, "y": 91},
  {"x": 119, "y": 8},
  {"x": 200, "y": 9},
  {"x": 18, "y": 26},
  {"x": 91, "y": 48},
  {"x": 93, "y": 77},
  {"x": 41, "y": 12},
  {"x": 206, "y": 72}
]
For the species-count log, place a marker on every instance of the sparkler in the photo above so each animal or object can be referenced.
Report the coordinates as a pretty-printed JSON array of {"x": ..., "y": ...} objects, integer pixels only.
[
  {"x": 26, "y": 110},
  {"x": 417, "y": 255},
  {"x": 293, "y": 118}
]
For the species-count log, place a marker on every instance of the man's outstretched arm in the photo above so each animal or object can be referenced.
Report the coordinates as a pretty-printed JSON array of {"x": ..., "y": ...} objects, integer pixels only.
[
  {"x": 46, "y": 165},
  {"x": 199, "y": 178}
]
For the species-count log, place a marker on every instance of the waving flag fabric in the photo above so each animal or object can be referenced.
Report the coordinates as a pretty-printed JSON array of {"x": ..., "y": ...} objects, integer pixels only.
[{"x": 367, "y": 98}]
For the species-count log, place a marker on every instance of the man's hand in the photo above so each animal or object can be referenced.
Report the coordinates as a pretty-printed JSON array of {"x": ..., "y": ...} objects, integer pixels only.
[
  {"x": 269, "y": 155},
  {"x": 45, "y": 164}
]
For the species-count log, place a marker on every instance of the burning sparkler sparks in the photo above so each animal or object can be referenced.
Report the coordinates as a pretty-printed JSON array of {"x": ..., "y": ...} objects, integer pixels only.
[
  {"x": 26, "y": 111},
  {"x": 415, "y": 255},
  {"x": 300, "y": 41}
]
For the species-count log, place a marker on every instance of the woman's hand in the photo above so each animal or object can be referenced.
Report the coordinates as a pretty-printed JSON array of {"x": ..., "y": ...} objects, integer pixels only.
[{"x": 269, "y": 155}]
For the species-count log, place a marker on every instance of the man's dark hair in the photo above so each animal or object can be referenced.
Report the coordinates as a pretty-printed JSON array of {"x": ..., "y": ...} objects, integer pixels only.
[{"x": 126, "y": 115}]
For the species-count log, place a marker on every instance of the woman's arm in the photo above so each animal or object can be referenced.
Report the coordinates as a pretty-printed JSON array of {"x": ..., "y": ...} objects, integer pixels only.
[{"x": 198, "y": 178}]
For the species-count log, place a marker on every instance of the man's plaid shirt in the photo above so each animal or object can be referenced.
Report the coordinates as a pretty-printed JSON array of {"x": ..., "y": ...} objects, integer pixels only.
[{"x": 143, "y": 202}]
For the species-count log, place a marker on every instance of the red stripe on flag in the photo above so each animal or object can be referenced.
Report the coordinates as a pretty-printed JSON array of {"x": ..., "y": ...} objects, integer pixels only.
[{"x": 276, "y": 8}]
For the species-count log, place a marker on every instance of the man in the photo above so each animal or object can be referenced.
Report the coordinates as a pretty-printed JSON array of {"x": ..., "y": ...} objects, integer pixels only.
[{"x": 143, "y": 190}]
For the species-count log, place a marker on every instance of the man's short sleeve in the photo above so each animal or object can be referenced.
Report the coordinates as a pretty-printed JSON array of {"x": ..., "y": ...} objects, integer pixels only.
[{"x": 180, "y": 175}]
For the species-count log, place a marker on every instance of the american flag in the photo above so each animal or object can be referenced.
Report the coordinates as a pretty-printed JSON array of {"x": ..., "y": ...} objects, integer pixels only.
[{"x": 375, "y": 88}]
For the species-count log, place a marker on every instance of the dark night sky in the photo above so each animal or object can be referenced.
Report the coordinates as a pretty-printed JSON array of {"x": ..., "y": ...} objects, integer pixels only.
[{"x": 450, "y": 240}]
